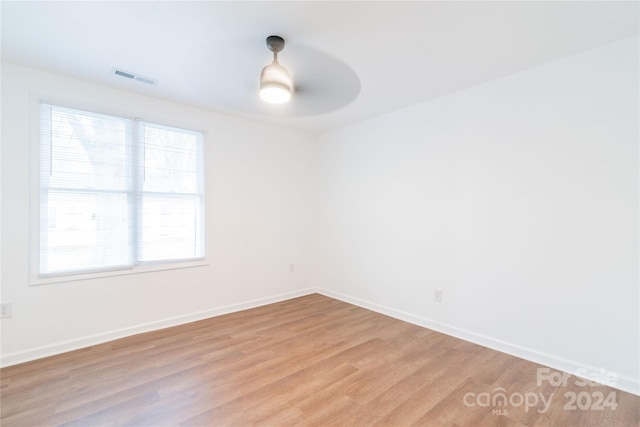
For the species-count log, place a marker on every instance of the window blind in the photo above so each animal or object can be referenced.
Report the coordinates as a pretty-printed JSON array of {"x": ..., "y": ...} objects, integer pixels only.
[
  {"x": 171, "y": 199},
  {"x": 115, "y": 193}
]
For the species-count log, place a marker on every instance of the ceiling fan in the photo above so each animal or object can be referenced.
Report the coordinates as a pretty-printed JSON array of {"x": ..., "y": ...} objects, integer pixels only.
[{"x": 227, "y": 74}]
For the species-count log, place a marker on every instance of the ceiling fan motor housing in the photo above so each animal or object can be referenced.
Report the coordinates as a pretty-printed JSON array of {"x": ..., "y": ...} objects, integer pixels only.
[{"x": 275, "y": 43}]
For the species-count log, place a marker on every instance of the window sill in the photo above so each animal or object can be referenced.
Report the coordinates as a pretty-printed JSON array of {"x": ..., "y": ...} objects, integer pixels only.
[{"x": 119, "y": 272}]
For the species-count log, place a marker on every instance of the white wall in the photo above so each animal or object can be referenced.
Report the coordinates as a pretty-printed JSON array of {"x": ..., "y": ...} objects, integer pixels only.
[
  {"x": 517, "y": 198},
  {"x": 258, "y": 190}
]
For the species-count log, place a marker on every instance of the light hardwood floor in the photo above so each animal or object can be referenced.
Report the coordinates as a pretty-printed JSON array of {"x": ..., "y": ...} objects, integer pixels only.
[{"x": 306, "y": 361}]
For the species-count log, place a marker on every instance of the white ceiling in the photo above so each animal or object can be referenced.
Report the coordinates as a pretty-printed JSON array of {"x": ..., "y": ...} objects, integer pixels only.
[{"x": 386, "y": 55}]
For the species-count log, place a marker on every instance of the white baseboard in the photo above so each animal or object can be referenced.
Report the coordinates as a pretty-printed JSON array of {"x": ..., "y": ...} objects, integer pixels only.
[
  {"x": 87, "y": 341},
  {"x": 624, "y": 383}
]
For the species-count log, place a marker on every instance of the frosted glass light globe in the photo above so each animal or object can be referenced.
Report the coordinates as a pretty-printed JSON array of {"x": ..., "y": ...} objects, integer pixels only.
[{"x": 275, "y": 84}]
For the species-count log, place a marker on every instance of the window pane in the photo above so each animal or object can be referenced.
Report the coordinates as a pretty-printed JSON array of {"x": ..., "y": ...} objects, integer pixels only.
[
  {"x": 84, "y": 231},
  {"x": 171, "y": 160},
  {"x": 171, "y": 227}
]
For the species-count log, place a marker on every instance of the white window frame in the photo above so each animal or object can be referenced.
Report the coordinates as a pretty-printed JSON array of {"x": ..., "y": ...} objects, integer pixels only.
[{"x": 35, "y": 278}]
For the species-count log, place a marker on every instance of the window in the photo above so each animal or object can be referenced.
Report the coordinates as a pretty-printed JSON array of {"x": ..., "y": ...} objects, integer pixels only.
[{"x": 117, "y": 193}]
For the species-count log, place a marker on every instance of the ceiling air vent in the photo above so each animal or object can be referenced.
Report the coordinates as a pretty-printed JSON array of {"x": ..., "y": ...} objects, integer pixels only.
[{"x": 133, "y": 76}]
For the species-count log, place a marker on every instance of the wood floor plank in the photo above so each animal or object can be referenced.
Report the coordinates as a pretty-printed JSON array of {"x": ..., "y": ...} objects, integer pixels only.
[{"x": 308, "y": 361}]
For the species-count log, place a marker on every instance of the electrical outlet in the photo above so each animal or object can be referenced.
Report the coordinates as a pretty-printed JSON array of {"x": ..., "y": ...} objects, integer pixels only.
[
  {"x": 437, "y": 295},
  {"x": 5, "y": 310}
]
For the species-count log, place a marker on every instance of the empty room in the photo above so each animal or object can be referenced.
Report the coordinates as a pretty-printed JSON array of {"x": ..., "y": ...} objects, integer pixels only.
[{"x": 331, "y": 213}]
